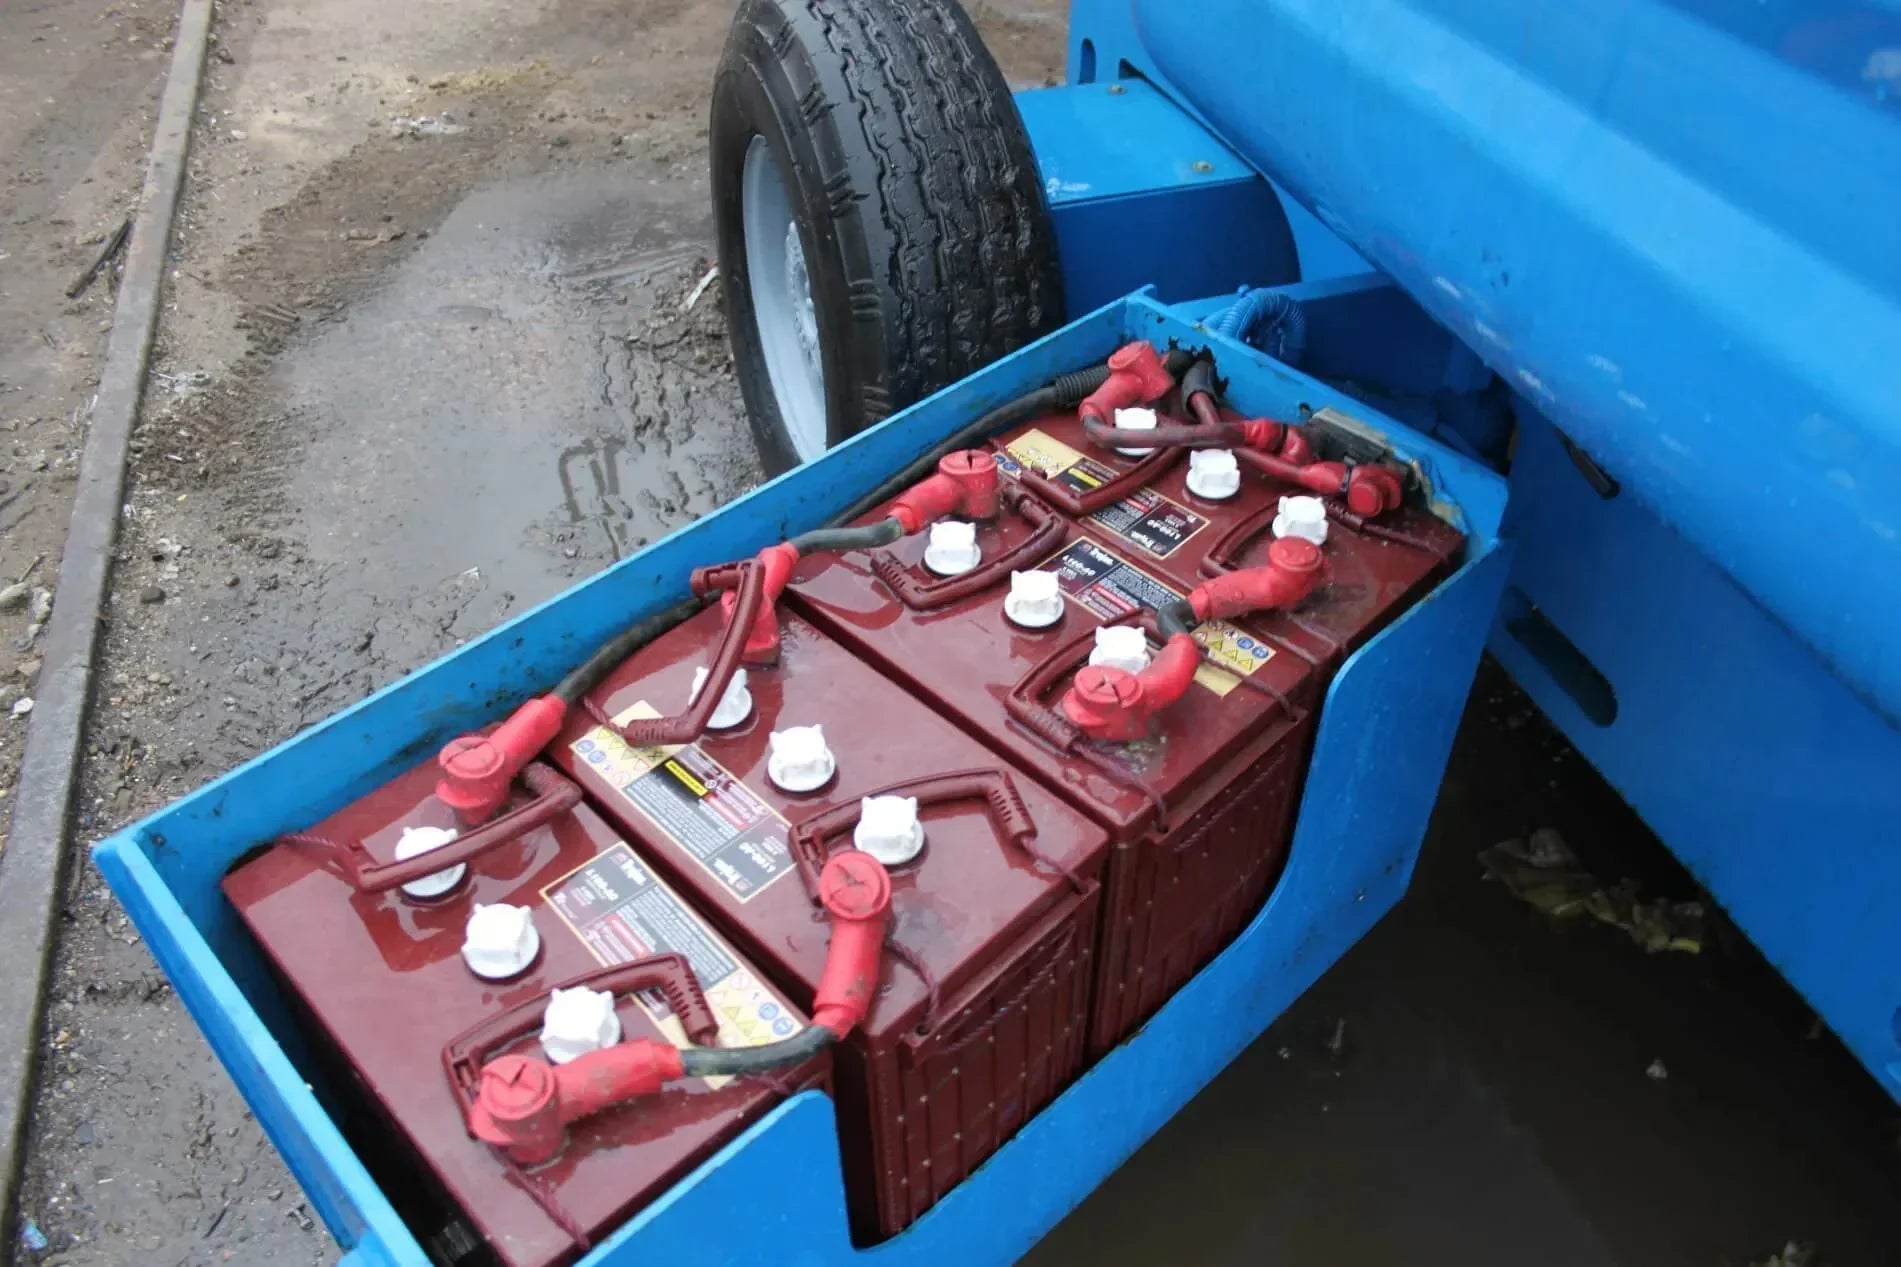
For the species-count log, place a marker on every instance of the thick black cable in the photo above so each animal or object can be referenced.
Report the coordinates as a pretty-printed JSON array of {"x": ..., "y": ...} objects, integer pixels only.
[{"x": 725, "y": 1062}]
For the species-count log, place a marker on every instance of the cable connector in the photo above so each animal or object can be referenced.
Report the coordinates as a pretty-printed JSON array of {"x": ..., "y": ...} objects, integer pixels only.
[{"x": 1137, "y": 376}]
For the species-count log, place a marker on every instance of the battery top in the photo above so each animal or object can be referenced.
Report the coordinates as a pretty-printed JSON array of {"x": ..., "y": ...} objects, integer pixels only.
[{"x": 1000, "y": 855}]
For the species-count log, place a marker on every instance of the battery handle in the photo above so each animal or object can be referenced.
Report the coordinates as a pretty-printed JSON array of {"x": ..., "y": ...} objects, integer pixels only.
[
  {"x": 1048, "y": 531},
  {"x": 555, "y": 795},
  {"x": 812, "y": 839},
  {"x": 464, "y": 1055},
  {"x": 1150, "y": 467}
]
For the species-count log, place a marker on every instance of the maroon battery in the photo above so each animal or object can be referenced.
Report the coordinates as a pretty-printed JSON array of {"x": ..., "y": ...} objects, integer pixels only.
[
  {"x": 1198, "y": 813},
  {"x": 981, "y": 1015},
  {"x": 1143, "y": 508},
  {"x": 380, "y": 979},
  {"x": 1200, "y": 810}
]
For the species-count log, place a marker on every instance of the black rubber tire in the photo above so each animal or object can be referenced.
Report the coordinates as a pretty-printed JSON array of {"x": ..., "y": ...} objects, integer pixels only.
[{"x": 926, "y": 234}]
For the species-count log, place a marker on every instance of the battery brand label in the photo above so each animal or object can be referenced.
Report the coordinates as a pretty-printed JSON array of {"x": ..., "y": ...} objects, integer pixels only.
[
  {"x": 1041, "y": 452},
  {"x": 1151, "y": 521},
  {"x": 696, "y": 803},
  {"x": 1103, "y": 582},
  {"x": 622, "y": 911}
]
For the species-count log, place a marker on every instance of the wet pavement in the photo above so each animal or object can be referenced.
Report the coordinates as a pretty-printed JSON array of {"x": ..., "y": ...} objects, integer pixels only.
[{"x": 499, "y": 406}]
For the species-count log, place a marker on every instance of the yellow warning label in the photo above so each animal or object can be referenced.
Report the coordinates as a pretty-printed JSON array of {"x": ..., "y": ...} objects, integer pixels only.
[
  {"x": 693, "y": 785},
  {"x": 1233, "y": 647},
  {"x": 1043, "y": 453},
  {"x": 695, "y": 802}
]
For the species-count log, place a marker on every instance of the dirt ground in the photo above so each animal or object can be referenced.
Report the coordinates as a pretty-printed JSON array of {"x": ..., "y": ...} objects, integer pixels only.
[
  {"x": 425, "y": 357},
  {"x": 431, "y": 350}
]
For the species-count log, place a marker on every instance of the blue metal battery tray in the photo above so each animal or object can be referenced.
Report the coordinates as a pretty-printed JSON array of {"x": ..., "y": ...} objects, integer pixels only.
[{"x": 775, "y": 1194}]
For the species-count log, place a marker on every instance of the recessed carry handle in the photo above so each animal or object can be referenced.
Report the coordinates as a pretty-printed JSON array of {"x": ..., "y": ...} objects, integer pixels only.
[
  {"x": 464, "y": 1055},
  {"x": 554, "y": 796},
  {"x": 1048, "y": 531},
  {"x": 811, "y": 841}
]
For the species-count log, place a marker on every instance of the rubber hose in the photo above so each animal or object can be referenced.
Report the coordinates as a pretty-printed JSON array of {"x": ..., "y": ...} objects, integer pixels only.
[
  {"x": 1284, "y": 334},
  {"x": 719, "y": 1062},
  {"x": 1174, "y": 618},
  {"x": 859, "y": 537}
]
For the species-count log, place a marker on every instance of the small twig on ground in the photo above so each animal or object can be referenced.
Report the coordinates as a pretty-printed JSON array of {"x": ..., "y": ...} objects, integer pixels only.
[
  {"x": 113, "y": 246},
  {"x": 694, "y": 297}
]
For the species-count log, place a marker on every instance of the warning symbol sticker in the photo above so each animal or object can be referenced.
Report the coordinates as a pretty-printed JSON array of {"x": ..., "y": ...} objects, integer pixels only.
[
  {"x": 695, "y": 802},
  {"x": 622, "y": 911},
  {"x": 1102, "y": 582}
]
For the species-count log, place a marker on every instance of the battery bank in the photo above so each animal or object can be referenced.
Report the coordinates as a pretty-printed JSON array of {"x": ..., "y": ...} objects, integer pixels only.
[
  {"x": 981, "y": 1015},
  {"x": 1143, "y": 508},
  {"x": 1200, "y": 810},
  {"x": 404, "y": 1026}
]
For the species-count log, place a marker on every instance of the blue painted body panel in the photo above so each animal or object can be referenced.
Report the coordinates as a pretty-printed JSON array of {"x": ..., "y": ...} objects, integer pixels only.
[
  {"x": 1675, "y": 228},
  {"x": 1772, "y": 781},
  {"x": 1380, "y": 752},
  {"x": 1138, "y": 189}
]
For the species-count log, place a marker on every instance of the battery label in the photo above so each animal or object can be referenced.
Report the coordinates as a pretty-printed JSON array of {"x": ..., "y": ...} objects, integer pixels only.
[
  {"x": 696, "y": 803},
  {"x": 622, "y": 911},
  {"x": 1041, "y": 452},
  {"x": 1101, "y": 581},
  {"x": 1151, "y": 521}
]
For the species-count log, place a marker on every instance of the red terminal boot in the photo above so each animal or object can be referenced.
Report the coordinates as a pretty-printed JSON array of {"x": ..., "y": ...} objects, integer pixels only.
[
  {"x": 525, "y": 1104},
  {"x": 1136, "y": 377},
  {"x": 965, "y": 484},
  {"x": 1294, "y": 567},
  {"x": 478, "y": 769},
  {"x": 762, "y": 641},
  {"x": 855, "y": 890},
  {"x": 1116, "y": 705},
  {"x": 1368, "y": 491}
]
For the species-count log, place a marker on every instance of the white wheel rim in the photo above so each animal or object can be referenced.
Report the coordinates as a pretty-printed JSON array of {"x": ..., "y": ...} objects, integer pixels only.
[{"x": 783, "y": 311}]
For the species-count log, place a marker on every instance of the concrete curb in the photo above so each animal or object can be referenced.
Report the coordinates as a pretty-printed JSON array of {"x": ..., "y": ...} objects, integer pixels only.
[{"x": 33, "y": 868}]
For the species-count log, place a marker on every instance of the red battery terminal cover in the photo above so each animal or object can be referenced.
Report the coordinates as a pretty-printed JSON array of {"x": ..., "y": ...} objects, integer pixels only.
[
  {"x": 774, "y": 565},
  {"x": 855, "y": 890},
  {"x": 523, "y": 1105},
  {"x": 478, "y": 769},
  {"x": 1116, "y": 705},
  {"x": 965, "y": 485},
  {"x": 1368, "y": 490},
  {"x": 1136, "y": 377}
]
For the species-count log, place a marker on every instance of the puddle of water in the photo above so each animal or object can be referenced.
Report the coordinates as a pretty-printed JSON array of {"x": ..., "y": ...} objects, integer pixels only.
[{"x": 522, "y": 396}]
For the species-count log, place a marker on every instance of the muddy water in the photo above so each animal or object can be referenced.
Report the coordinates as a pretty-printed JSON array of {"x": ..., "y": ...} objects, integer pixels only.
[
  {"x": 1474, "y": 1086},
  {"x": 524, "y": 397}
]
